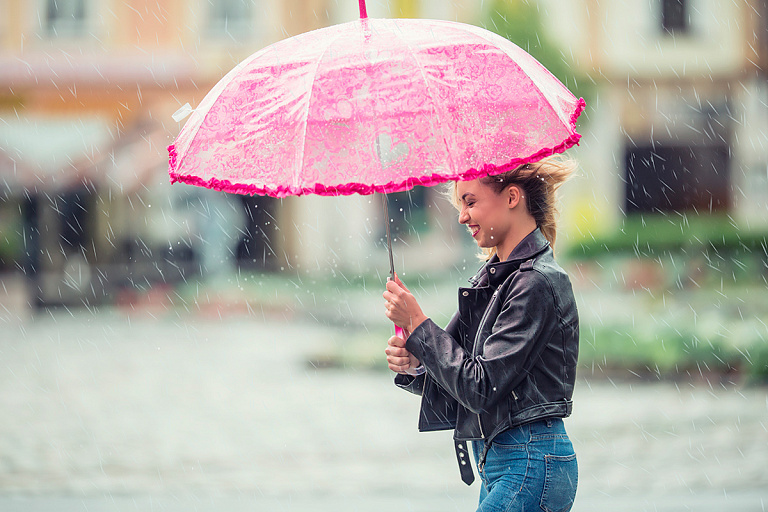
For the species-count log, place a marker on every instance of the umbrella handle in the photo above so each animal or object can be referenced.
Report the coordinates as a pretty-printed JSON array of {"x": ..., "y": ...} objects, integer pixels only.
[
  {"x": 403, "y": 335},
  {"x": 363, "y": 12},
  {"x": 399, "y": 331}
]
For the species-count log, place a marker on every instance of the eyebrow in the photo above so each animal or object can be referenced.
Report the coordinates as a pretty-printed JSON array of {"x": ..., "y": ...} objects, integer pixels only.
[{"x": 467, "y": 194}]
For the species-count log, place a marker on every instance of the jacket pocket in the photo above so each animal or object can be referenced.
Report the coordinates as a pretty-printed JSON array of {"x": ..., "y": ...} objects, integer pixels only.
[{"x": 560, "y": 483}]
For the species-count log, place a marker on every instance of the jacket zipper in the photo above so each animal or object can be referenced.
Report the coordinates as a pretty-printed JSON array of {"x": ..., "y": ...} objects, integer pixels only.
[
  {"x": 482, "y": 322},
  {"x": 474, "y": 353},
  {"x": 480, "y": 424}
]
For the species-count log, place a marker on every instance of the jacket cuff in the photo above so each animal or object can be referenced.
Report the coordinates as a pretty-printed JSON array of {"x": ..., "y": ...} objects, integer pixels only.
[
  {"x": 410, "y": 383},
  {"x": 415, "y": 342}
]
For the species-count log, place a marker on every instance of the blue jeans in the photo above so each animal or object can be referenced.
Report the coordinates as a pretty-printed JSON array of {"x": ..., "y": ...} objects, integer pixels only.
[{"x": 528, "y": 468}]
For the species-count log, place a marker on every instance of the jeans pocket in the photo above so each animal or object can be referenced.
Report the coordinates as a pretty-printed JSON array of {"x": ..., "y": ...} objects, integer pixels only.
[{"x": 560, "y": 483}]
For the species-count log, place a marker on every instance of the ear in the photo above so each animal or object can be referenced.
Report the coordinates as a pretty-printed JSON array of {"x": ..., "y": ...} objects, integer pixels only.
[{"x": 514, "y": 195}]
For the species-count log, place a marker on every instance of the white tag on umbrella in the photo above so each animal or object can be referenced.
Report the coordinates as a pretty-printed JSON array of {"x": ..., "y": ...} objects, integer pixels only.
[{"x": 183, "y": 112}]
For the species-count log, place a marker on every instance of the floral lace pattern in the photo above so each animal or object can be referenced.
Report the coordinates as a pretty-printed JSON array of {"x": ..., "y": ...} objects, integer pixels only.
[{"x": 374, "y": 105}]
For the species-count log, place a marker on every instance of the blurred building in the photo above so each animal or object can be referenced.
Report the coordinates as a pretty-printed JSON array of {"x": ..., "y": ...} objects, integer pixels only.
[
  {"x": 678, "y": 123},
  {"x": 87, "y": 90}
]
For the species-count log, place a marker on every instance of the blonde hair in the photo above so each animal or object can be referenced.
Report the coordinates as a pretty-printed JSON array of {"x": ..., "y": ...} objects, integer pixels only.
[{"x": 540, "y": 182}]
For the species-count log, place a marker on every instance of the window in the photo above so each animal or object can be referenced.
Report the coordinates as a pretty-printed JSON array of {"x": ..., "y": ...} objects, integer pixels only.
[
  {"x": 65, "y": 18},
  {"x": 674, "y": 16},
  {"x": 230, "y": 17},
  {"x": 690, "y": 169},
  {"x": 761, "y": 31},
  {"x": 677, "y": 178}
]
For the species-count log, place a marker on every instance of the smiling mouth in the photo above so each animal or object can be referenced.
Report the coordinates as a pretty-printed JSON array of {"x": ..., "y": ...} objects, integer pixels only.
[{"x": 474, "y": 230}]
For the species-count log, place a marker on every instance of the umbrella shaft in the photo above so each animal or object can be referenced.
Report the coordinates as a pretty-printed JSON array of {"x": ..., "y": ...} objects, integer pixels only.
[
  {"x": 385, "y": 201},
  {"x": 363, "y": 12}
]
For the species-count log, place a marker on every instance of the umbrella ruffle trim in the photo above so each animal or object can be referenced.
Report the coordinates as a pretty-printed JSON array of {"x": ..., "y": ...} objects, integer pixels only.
[{"x": 365, "y": 189}]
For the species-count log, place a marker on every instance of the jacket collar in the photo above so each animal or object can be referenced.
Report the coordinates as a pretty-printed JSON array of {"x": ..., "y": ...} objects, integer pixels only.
[{"x": 494, "y": 272}]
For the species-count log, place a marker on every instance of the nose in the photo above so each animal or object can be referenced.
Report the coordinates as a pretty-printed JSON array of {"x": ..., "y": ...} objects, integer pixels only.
[{"x": 463, "y": 216}]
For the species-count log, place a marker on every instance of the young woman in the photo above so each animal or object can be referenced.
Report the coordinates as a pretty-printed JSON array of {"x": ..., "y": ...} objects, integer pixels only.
[{"x": 501, "y": 374}]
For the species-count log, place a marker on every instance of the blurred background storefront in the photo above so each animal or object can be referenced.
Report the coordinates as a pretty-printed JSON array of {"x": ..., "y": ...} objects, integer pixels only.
[{"x": 676, "y": 125}]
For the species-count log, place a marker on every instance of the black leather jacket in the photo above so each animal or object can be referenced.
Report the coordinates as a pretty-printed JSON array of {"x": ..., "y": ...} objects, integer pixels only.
[{"x": 508, "y": 356}]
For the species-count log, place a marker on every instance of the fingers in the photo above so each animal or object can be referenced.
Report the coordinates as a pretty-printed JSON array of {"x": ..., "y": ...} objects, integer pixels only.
[
  {"x": 398, "y": 364},
  {"x": 390, "y": 313},
  {"x": 401, "y": 306},
  {"x": 396, "y": 285},
  {"x": 398, "y": 369},
  {"x": 398, "y": 358},
  {"x": 398, "y": 281},
  {"x": 402, "y": 363},
  {"x": 396, "y": 293},
  {"x": 397, "y": 353},
  {"x": 394, "y": 305}
]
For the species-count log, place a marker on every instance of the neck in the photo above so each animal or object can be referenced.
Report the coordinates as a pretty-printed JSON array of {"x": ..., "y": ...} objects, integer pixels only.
[{"x": 505, "y": 248}]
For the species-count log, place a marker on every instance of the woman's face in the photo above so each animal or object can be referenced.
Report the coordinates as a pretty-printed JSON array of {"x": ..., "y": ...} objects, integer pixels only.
[{"x": 484, "y": 212}]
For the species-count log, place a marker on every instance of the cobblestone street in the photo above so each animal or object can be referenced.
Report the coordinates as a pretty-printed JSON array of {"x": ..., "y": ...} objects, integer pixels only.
[{"x": 184, "y": 412}]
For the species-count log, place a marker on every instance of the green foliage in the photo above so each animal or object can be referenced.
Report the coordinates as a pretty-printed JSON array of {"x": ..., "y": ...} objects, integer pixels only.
[
  {"x": 670, "y": 353},
  {"x": 11, "y": 241},
  {"x": 650, "y": 235},
  {"x": 759, "y": 363},
  {"x": 700, "y": 250},
  {"x": 706, "y": 264}
]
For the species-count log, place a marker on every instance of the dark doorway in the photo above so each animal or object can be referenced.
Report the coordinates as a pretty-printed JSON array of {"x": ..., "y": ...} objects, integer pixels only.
[
  {"x": 669, "y": 178},
  {"x": 74, "y": 211},
  {"x": 256, "y": 248}
]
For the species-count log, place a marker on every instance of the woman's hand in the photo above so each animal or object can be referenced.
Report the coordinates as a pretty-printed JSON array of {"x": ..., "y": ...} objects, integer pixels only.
[
  {"x": 402, "y": 307},
  {"x": 398, "y": 357}
]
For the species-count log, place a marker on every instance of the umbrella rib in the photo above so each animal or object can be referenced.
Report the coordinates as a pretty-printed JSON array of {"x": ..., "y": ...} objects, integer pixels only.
[
  {"x": 297, "y": 171},
  {"x": 539, "y": 90},
  {"x": 205, "y": 106},
  {"x": 431, "y": 100}
]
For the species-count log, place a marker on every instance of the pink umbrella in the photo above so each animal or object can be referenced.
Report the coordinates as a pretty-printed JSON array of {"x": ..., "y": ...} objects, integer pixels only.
[{"x": 374, "y": 105}]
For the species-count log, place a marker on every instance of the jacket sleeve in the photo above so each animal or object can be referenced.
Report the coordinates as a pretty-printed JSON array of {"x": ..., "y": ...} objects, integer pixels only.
[
  {"x": 410, "y": 383},
  {"x": 526, "y": 320},
  {"x": 415, "y": 384}
]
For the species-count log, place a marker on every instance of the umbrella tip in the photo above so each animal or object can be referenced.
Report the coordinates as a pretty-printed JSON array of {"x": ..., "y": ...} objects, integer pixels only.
[{"x": 363, "y": 12}]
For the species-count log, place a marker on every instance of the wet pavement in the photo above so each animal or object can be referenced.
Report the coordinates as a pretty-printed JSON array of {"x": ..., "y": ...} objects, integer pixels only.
[{"x": 218, "y": 408}]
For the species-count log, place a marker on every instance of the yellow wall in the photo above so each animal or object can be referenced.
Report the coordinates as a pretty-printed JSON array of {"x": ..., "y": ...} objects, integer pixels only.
[{"x": 406, "y": 9}]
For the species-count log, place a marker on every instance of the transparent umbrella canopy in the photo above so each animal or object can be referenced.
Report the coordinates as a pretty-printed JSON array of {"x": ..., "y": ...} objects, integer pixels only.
[{"x": 374, "y": 105}]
